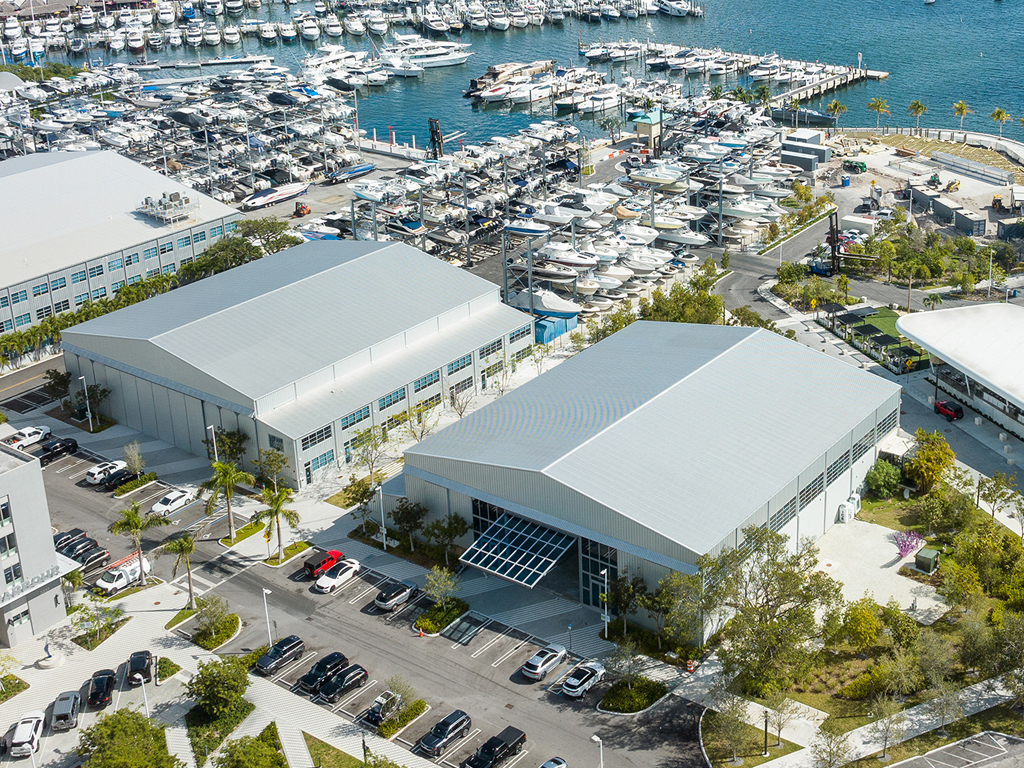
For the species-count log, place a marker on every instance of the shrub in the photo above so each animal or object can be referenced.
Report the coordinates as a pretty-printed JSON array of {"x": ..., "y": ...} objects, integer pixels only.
[
  {"x": 907, "y": 542},
  {"x": 166, "y": 668},
  {"x": 436, "y": 619},
  {"x": 996, "y": 616},
  {"x": 270, "y": 736},
  {"x": 214, "y": 637},
  {"x": 132, "y": 485},
  {"x": 622, "y": 698},
  {"x": 393, "y": 725},
  {"x": 860, "y": 686},
  {"x": 249, "y": 659},
  {"x": 883, "y": 480}
]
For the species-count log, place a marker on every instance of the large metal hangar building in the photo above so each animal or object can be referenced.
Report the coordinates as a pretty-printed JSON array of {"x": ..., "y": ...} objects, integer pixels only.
[
  {"x": 651, "y": 448},
  {"x": 300, "y": 350}
]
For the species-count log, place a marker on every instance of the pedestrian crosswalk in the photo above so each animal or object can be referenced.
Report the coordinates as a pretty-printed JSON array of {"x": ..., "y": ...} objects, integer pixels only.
[
  {"x": 213, "y": 573},
  {"x": 534, "y": 612},
  {"x": 584, "y": 642}
]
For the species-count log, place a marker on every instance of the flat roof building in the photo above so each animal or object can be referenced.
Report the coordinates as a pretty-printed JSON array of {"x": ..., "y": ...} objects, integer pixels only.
[
  {"x": 77, "y": 227},
  {"x": 300, "y": 350},
  {"x": 655, "y": 446}
]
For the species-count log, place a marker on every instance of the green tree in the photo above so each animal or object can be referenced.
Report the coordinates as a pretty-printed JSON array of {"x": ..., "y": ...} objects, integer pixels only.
[
  {"x": 977, "y": 648},
  {"x": 843, "y": 286},
  {"x": 794, "y": 106},
  {"x": 961, "y": 110},
  {"x": 421, "y": 421},
  {"x": 879, "y": 107},
  {"x": 276, "y": 516},
  {"x": 659, "y": 604},
  {"x": 249, "y": 752},
  {"x": 133, "y": 459},
  {"x": 831, "y": 748},
  {"x": 889, "y": 725},
  {"x": 791, "y": 272},
  {"x": 931, "y": 461},
  {"x": 212, "y": 616},
  {"x": 72, "y": 581},
  {"x": 446, "y": 532},
  {"x": 269, "y": 234},
  {"x": 132, "y": 523},
  {"x": 782, "y": 710},
  {"x": 225, "y": 477},
  {"x": 883, "y": 480},
  {"x": 183, "y": 547},
  {"x": 731, "y": 729},
  {"x": 932, "y": 300},
  {"x": 997, "y": 491},
  {"x": 716, "y": 92},
  {"x": 271, "y": 463},
  {"x": 763, "y": 95},
  {"x": 625, "y": 594},
  {"x": 218, "y": 686},
  {"x": 887, "y": 258},
  {"x": 916, "y": 109},
  {"x": 961, "y": 584},
  {"x": 946, "y": 704},
  {"x": 835, "y": 110},
  {"x": 230, "y": 445},
  {"x": 408, "y": 517},
  {"x": 58, "y": 384},
  {"x": 902, "y": 628},
  {"x": 441, "y": 586},
  {"x": 684, "y": 303},
  {"x": 125, "y": 738},
  {"x": 775, "y": 595},
  {"x": 625, "y": 662},
  {"x": 861, "y": 624},
  {"x": 369, "y": 448},
  {"x": 936, "y": 657},
  {"x": 750, "y": 318},
  {"x": 901, "y": 673},
  {"x": 1001, "y": 116}
]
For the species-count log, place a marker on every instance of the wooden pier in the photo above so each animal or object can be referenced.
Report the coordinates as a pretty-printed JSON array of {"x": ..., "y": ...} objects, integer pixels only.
[{"x": 817, "y": 89}]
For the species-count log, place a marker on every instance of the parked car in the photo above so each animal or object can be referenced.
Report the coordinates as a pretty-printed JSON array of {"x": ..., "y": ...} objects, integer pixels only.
[
  {"x": 383, "y": 707},
  {"x": 28, "y": 436},
  {"x": 395, "y": 595},
  {"x": 949, "y": 409},
  {"x": 62, "y": 538},
  {"x": 337, "y": 575},
  {"x": 140, "y": 668},
  {"x": 116, "y": 579},
  {"x": 116, "y": 479},
  {"x": 322, "y": 671},
  {"x": 444, "y": 733},
  {"x": 542, "y": 662},
  {"x": 497, "y": 749},
  {"x": 92, "y": 559},
  {"x": 54, "y": 449},
  {"x": 352, "y": 676},
  {"x": 885, "y": 214},
  {"x": 582, "y": 678},
  {"x": 172, "y": 502},
  {"x": 96, "y": 475},
  {"x": 101, "y": 688},
  {"x": 27, "y": 734},
  {"x": 283, "y": 651},
  {"x": 65, "y": 711},
  {"x": 554, "y": 762},
  {"x": 77, "y": 546},
  {"x": 319, "y": 562}
]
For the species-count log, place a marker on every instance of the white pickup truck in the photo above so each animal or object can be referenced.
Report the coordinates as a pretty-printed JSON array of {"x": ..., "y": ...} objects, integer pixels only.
[{"x": 28, "y": 436}]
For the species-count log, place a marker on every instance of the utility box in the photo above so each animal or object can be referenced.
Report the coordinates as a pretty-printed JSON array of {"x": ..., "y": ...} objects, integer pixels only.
[
  {"x": 927, "y": 561},
  {"x": 970, "y": 222}
]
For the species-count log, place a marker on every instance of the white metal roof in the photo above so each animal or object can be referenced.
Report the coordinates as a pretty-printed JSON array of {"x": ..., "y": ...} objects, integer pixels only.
[
  {"x": 979, "y": 340},
  {"x": 686, "y": 429},
  {"x": 58, "y": 209}
]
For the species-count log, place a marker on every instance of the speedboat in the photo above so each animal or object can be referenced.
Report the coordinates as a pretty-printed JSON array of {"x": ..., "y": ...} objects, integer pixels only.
[
  {"x": 566, "y": 255},
  {"x": 333, "y": 28},
  {"x": 544, "y": 303},
  {"x": 544, "y": 270},
  {"x": 274, "y": 195},
  {"x": 527, "y": 228},
  {"x": 268, "y": 32},
  {"x": 231, "y": 35},
  {"x": 399, "y": 66},
  {"x": 351, "y": 173}
]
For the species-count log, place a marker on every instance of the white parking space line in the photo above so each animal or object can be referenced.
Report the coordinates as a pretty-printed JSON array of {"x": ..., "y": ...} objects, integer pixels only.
[
  {"x": 145, "y": 499},
  {"x": 558, "y": 680},
  {"x": 509, "y": 654},
  {"x": 475, "y": 631},
  {"x": 65, "y": 467},
  {"x": 399, "y": 611},
  {"x": 293, "y": 665},
  {"x": 366, "y": 591},
  {"x": 408, "y": 743},
  {"x": 458, "y": 745},
  {"x": 353, "y": 697},
  {"x": 489, "y": 643},
  {"x": 518, "y": 759}
]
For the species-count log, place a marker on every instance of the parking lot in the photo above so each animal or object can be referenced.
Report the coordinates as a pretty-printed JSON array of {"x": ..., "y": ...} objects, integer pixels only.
[{"x": 473, "y": 666}]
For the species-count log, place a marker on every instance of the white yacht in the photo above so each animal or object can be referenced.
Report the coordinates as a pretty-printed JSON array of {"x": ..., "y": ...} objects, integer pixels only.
[
  {"x": 400, "y": 66},
  {"x": 232, "y": 35},
  {"x": 213, "y": 7},
  {"x": 287, "y": 31},
  {"x": 519, "y": 18},
  {"x": 268, "y": 32},
  {"x": 12, "y": 29},
  {"x": 234, "y": 7},
  {"x": 87, "y": 18},
  {"x": 156, "y": 40},
  {"x": 165, "y": 13},
  {"x": 499, "y": 20},
  {"x": 333, "y": 28},
  {"x": 376, "y": 23},
  {"x": 194, "y": 36},
  {"x": 435, "y": 24},
  {"x": 174, "y": 38},
  {"x": 211, "y": 34},
  {"x": 309, "y": 30},
  {"x": 354, "y": 25},
  {"x": 478, "y": 20},
  {"x": 429, "y": 53}
]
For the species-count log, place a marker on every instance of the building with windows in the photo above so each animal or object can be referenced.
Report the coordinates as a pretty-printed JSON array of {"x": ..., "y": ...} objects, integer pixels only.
[
  {"x": 655, "y": 446},
  {"x": 31, "y": 599},
  {"x": 300, "y": 350},
  {"x": 79, "y": 225},
  {"x": 971, "y": 359}
]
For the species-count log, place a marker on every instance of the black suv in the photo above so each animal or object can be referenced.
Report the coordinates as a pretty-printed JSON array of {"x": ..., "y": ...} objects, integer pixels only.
[
  {"x": 92, "y": 559},
  {"x": 54, "y": 449},
  {"x": 280, "y": 653},
  {"x": 322, "y": 671},
  {"x": 62, "y": 538},
  {"x": 441, "y": 736},
  {"x": 140, "y": 668},
  {"x": 350, "y": 677},
  {"x": 78, "y": 546},
  {"x": 117, "y": 479},
  {"x": 101, "y": 688}
]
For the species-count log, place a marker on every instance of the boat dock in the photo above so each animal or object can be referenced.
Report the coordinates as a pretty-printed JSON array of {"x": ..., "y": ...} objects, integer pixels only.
[{"x": 832, "y": 83}]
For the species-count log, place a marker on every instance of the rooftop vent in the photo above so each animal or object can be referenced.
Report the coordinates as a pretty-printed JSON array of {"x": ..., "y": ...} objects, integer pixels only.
[{"x": 171, "y": 207}]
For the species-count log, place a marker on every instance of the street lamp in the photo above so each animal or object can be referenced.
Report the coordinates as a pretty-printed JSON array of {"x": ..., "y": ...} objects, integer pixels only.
[
  {"x": 213, "y": 439},
  {"x": 600, "y": 746},
  {"x": 88, "y": 410},
  {"x": 266, "y": 612},
  {"x": 605, "y": 616},
  {"x": 383, "y": 524},
  {"x": 765, "y": 753},
  {"x": 145, "y": 699}
]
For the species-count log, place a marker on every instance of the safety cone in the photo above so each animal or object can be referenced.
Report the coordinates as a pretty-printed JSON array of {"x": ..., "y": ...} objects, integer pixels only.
[{"x": 421, "y": 632}]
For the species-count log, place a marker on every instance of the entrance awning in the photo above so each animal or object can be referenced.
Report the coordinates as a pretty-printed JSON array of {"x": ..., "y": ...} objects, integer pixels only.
[{"x": 517, "y": 550}]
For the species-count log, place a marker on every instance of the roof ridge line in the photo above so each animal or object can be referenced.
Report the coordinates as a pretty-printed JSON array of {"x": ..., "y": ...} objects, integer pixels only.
[{"x": 644, "y": 405}]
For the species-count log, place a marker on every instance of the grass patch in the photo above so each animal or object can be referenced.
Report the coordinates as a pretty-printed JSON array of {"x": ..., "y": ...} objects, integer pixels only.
[
  {"x": 622, "y": 698},
  {"x": 326, "y": 756},
  {"x": 221, "y": 636},
  {"x": 102, "y": 598},
  {"x": 899, "y": 514},
  {"x": 243, "y": 533},
  {"x": 13, "y": 685},
  {"x": 436, "y": 619},
  {"x": 720, "y": 754},
  {"x": 289, "y": 552},
  {"x": 166, "y": 668},
  {"x": 426, "y": 554},
  {"x": 92, "y": 640},
  {"x": 183, "y": 615},
  {"x": 99, "y": 421},
  {"x": 206, "y": 733},
  {"x": 346, "y": 497}
]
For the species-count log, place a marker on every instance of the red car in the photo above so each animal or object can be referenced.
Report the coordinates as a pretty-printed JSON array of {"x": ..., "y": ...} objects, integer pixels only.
[
  {"x": 320, "y": 562},
  {"x": 949, "y": 409}
]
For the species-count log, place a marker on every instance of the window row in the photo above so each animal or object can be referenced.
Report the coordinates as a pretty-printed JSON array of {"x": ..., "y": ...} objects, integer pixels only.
[
  {"x": 388, "y": 400},
  {"x": 889, "y": 422},
  {"x": 8, "y": 545},
  {"x": 863, "y": 445},
  {"x": 355, "y": 417},
  {"x": 422, "y": 383},
  {"x": 313, "y": 438},
  {"x": 489, "y": 349},
  {"x": 12, "y": 573},
  {"x": 782, "y": 516},
  {"x": 812, "y": 490},
  {"x": 522, "y": 333},
  {"x": 836, "y": 468},
  {"x": 458, "y": 365}
]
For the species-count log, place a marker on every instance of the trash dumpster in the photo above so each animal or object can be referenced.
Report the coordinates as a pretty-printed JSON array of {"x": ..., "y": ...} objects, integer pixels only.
[
  {"x": 927, "y": 560},
  {"x": 846, "y": 179}
]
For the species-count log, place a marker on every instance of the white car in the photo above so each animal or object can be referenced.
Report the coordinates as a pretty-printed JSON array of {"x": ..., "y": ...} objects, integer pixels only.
[
  {"x": 28, "y": 436},
  {"x": 337, "y": 575},
  {"x": 27, "y": 734},
  {"x": 542, "y": 662},
  {"x": 172, "y": 502},
  {"x": 582, "y": 678},
  {"x": 99, "y": 473}
]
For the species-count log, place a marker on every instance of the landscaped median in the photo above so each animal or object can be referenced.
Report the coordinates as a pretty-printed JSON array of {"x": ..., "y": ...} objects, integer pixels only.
[
  {"x": 291, "y": 551},
  {"x": 244, "y": 533},
  {"x": 438, "y": 617},
  {"x": 627, "y": 697},
  {"x": 130, "y": 487},
  {"x": 394, "y": 725}
]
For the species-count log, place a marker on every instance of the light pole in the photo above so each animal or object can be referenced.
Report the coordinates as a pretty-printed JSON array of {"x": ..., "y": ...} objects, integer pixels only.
[
  {"x": 765, "y": 753},
  {"x": 88, "y": 410},
  {"x": 145, "y": 699},
  {"x": 600, "y": 746},
  {"x": 383, "y": 525},
  {"x": 213, "y": 439},
  {"x": 605, "y": 612},
  {"x": 266, "y": 612}
]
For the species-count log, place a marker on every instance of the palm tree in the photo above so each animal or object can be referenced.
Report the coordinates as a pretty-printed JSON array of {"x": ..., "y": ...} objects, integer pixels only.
[
  {"x": 72, "y": 581},
  {"x": 225, "y": 477},
  {"x": 763, "y": 95},
  {"x": 916, "y": 109},
  {"x": 1000, "y": 115},
  {"x": 879, "y": 107},
  {"x": 715, "y": 92},
  {"x": 835, "y": 110},
  {"x": 794, "y": 105},
  {"x": 276, "y": 515},
  {"x": 932, "y": 300},
  {"x": 132, "y": 523},
  {"x": 961, "y": 110},
  {"x": 741, "y": 94},
  {"x": 183, "y": 548}
]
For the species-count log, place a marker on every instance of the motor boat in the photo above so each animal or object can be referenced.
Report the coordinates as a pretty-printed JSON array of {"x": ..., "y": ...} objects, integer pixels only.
[
  {"x": 211, "y": 35},
  {"x": 527, "y": 228},
  {"x": 544, "y": 270},
  {"x": 274, "y": 195},
  {"x": 333, "y": 28},
  {"x": 351, "y": 173},
  {"x": 309, "y": 29},
  {"x": 268, "y": 32},
  {"x": 566, "y": 255},
  {"x": 354, "y": 25},
  {"x": 232, "y": 35},
  {"x": 544, "y": 303},
  {"x": 399, "y": 66},
  {"x": 376, "y": 23},
  {"x": 646, "y": 234}
]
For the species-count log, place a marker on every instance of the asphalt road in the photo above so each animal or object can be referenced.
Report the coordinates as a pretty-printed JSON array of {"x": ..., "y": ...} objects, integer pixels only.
[{"x": 29, "y": 377}]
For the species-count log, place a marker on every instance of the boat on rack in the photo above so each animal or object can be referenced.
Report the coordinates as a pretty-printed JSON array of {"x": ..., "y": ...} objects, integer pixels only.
[{"x": 274, "y": 195}]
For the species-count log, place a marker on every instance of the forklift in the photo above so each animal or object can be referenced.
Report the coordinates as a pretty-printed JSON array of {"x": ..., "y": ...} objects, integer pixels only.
[{"x": 301, "y": 209}]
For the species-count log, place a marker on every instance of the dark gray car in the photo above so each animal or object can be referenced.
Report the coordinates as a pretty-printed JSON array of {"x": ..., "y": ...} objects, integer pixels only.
[
  {"x": 445, "y": 733},
  {"x": 280, "y": 653}
]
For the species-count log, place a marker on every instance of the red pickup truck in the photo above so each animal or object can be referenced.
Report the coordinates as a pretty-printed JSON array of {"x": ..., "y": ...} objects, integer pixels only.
[{"x": 321, "y": 561}]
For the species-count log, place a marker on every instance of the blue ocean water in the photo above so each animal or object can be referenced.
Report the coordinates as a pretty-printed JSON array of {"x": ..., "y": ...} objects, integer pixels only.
[{"x": 938, "y": 54}]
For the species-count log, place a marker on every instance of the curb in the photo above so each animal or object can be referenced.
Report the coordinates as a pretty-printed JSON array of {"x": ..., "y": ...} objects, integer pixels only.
[
  {"x": 133, "y": 490},
  {"x": 282, "y": 565},
  {"x": 700, "y": 737},
  {"x": 638, "y": 712},
  {"x": 237, "y": 633}
]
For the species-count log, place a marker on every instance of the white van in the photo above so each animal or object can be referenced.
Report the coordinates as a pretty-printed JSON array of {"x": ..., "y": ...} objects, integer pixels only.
[{"x": 116, "y": 579}]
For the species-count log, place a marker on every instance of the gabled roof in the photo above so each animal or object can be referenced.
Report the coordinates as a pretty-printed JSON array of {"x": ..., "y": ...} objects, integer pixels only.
[{"x": 686, "y": 429}]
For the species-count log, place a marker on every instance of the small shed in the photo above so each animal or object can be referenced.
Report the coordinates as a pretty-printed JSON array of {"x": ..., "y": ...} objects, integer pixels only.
[{"x": 927, "y": 560}]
